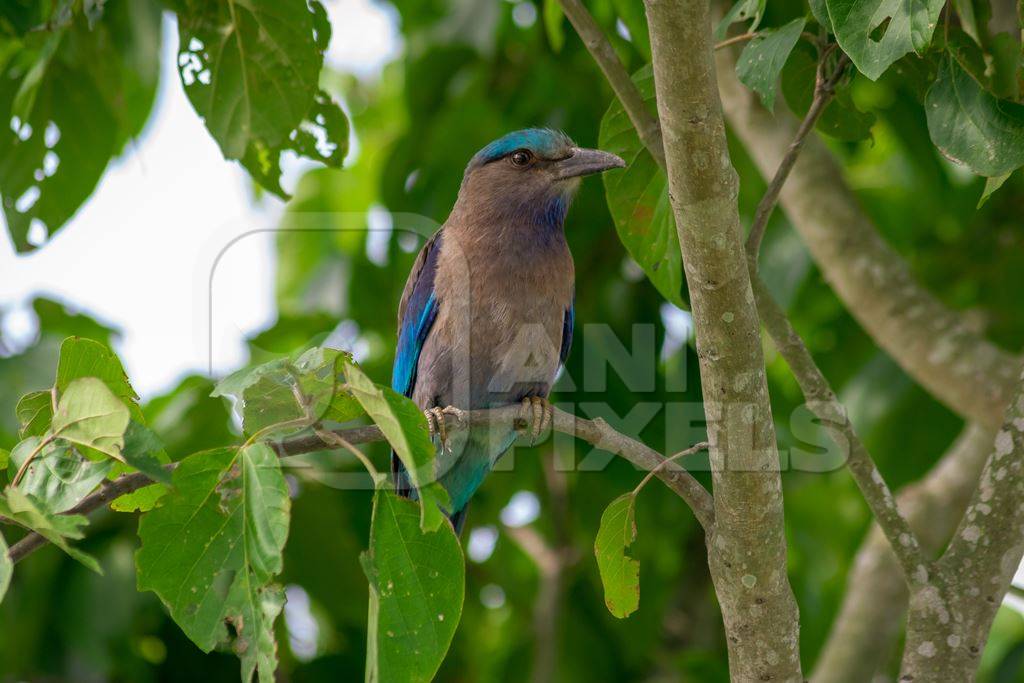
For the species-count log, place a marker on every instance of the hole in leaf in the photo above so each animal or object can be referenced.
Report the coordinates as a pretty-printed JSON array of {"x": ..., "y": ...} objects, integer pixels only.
[
  {"x": 38, "y": 233},
  {"x": 51, "y": 135},
  {"x": 27, "y": 200},
  {"x": 879, "y": 31}
]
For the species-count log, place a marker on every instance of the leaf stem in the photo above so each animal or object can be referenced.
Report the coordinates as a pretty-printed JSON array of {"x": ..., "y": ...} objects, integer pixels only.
[{"x": 703, "y": 445}]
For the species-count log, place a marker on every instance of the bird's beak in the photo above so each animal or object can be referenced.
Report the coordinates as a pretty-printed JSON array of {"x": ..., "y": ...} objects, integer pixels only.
[{"x": 587, "y": 161}]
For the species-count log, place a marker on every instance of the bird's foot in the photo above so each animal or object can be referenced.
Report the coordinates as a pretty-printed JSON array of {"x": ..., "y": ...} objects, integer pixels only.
[
  {"x": 437, "y": 425},
  {"x": 541, "y": 414}
]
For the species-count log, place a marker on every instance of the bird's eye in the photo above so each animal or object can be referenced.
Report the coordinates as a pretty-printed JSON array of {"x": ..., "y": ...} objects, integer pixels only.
[{"x": 521, "y": 157}]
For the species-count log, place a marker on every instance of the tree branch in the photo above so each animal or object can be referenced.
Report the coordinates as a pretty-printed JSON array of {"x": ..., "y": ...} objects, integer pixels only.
[
  {"x": 870, "y": 618},
  {"x": 596, "y": 432},
  {"x": 824, "y": 89},
  {"x": 823, "y": 403},
  {"x": 949, "y": 624},
  {"x": 931, "y": 342},
  {"x": 645, "y": 122}
]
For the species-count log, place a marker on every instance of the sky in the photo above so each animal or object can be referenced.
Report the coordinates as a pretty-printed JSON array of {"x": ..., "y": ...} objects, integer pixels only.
[{"x": 172, "y": 249}]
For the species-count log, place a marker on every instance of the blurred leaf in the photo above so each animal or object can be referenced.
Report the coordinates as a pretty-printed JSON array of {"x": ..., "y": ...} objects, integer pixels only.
[
  {"x": 417, "y": 582},
  {"x": 5, "y": 457},
  {"x": 841, "y": 118},
  {"x": 638, "y": 199},
  {"x": 741, "y": 11},
  {"x": 251, "y": 71},
  {"x": 88, "y": 414},
  {"x": 820, "y": 13},
  {"x": 991, "y": 185},
  {"x": 875, "y": 33},
  {"x": 35, "y": 410},
  {"x": 554, "y": 24},
  {"x": 620, "y": 574},
  {"x": 762, "y": 59},
  {"x": 213, "y": 546},
  {"x": 58, "y": 477},
  {"x": 405, "y": 428},
  {"x": 57, "y": 529},
  {"x": 6, "y": 568},
  {"x": 633, "y": 16},
  {"x": 972, "y": 127},
  {"x": 965, "y": 10},
  {"x": 142, "y": 500},
  {"x": 1006, "y": 66},
  {"x": 73, "y": 97}
]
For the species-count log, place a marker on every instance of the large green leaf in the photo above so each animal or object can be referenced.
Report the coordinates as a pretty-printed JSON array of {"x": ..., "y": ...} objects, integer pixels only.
[
  {"x": 620, "y": 574},
  {"x": 417, "y": 585},
  {"x": 89, "y": 415},
  {"x": 405, "y": 428},
  {"x": 69, "y": 100},
  {"x": 58, "y": 477},
  {"x": 875, "y": 33},
  {"x": 26, "y": 511},
  {"x": 638, "y": 199},
  {"x": 212, "y": 548},
  {"x": 971, "y": 126},
  {"x": 251, "y": 69},
  {"x": 762, "y": 59}
]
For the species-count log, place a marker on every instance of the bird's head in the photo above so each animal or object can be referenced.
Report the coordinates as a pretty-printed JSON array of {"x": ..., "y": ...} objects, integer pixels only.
[{"x": 531, "y": 173}]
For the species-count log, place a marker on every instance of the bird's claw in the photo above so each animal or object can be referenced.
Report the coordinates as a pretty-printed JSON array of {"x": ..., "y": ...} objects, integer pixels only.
[
  {"x": 541, "y": 414},
  {"x": 437, "y": 425}
]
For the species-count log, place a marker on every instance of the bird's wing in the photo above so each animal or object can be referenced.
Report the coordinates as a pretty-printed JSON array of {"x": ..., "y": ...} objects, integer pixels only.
[
  {"x": 567, "y": 324},
  {"x": 416, "y": 314}
]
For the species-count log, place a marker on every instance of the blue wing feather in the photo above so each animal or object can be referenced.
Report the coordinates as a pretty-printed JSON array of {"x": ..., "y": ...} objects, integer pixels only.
[
  {"x": 417, "y": 317},
  {"x": 567, "y": 324},
  {"x": 417, "y": 314}
]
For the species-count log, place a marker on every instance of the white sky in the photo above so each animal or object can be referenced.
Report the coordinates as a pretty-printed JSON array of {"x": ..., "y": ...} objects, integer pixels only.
[{"x": 140, "y": 253}]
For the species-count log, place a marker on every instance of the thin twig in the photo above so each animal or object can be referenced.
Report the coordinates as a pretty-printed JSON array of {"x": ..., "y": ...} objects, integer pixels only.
[
  {"x": 743, "y": 37},
  {"x": 664, "y": 463},
  {"x": 824, "y": 89}
]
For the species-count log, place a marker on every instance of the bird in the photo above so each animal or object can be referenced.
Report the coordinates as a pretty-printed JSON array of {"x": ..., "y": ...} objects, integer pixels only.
[{"x": 487, "y": 313}]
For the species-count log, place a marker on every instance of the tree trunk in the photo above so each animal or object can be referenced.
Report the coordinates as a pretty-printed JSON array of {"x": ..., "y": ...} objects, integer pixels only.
[{"x": 747, "y": 547}]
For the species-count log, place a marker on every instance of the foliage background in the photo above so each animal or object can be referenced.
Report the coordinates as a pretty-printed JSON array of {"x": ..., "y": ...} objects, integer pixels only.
[{"x": 471, "y": 71}]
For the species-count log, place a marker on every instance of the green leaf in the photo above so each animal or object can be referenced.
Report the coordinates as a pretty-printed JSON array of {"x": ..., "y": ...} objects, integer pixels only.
[
  {"x": 80, "y": 357},
  {"x": 251, "y": 70},
  {"x": 144, "y": 451},
  {"x": 620, "y": 574},
  {"x": 142, "y": 500},
  {"x": 69, "y": 99},
  {"x": 841, "y": 118},
  {"x": 1006, "y": 66},
  {"x": 820, "y": 13},
  {"x": 417, "y": 585},
  {"x": 762, "y": 59},
  {"x": 875, "y": 33},
  {"x": 271, "y": 392},
  {"x": 90, "y": 415},
  {"x": 213, "y": 546},
  {"x": 405, "y": 428},
  {"x": 638, "y": 199},
  {"x": 972, "y": 127},
  {"x": 991, "y": 185},
  {"x": 5, "y": 457},
  {"x": 57, "y": 529},
  {"x": 35, "y": 410},
  {"x": 554, "y": 20},
  {"x": 741, "y": 11},
  {"x": 58, "y": 478},
  {"x": 6, "y": 568}
]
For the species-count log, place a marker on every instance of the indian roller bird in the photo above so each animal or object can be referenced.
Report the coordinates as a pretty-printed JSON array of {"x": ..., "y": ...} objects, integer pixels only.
[{"x": 486, "y": 317}]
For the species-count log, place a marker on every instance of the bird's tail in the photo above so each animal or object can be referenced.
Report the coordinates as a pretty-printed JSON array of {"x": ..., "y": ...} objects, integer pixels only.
[{"x": 404, "y": 488}]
